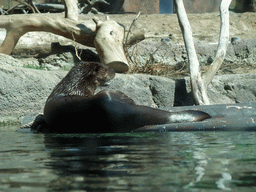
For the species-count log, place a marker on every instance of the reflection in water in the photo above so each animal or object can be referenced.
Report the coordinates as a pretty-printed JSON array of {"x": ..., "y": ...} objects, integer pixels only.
[{"x": 128, "y": 162}]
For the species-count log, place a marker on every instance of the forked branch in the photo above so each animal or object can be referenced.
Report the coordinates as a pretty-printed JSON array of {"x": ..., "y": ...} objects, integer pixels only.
[
  {"x": 199, "y": 84},
  {"x": 223, "y": 43},
  {"x": 71, "y": 9}
]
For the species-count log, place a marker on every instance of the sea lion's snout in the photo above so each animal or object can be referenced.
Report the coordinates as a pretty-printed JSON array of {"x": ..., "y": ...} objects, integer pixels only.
[
  {"x": 107, "y": 74},
  {"x": 110, "y": 75}
]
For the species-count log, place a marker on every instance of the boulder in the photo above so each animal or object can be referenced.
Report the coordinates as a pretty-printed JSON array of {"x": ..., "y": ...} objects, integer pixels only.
[
  {"x": 149, "y": 90},
  {"x": 224, "y": 89},
  {"x": 24, "y": 91},
  {"x": 237, "y": 88}
]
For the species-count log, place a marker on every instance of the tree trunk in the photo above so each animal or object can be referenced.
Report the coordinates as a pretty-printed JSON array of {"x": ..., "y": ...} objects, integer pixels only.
[{"x": 197, "y": 84}]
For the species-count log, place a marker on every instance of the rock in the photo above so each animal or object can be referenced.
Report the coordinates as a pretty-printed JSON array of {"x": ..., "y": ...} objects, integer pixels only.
[
  {"x": 224, "y": 89},
  {"x": 245, "y": 48},
  {"x": 150, "y": 52},
  {"x": 31, "y": 63},
  {"x": 7, "y": 60},
  {"x": 52, "y": 67},
  {"x": 233, "y": 88},
  {"x": 24, "y": 91},
  {"x": 169, "y": 53},
  {"x": 61, "y": 57},
  {"x": 146, "y": 90}
]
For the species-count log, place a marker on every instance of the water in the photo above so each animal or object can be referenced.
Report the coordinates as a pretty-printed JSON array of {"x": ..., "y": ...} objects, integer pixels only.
[{"x": 192, "y": 161}]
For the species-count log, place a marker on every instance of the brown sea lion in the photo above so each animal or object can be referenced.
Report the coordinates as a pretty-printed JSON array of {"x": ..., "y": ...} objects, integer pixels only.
[{"x": 72, "y": 107}]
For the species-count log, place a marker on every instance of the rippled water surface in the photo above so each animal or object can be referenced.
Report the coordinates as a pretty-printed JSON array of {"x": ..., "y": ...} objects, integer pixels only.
[{"x": 193, "y": 161}]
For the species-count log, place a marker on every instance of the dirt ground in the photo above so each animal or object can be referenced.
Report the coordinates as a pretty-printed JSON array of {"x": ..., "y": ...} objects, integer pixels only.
[{"x": 205, "y": 28}]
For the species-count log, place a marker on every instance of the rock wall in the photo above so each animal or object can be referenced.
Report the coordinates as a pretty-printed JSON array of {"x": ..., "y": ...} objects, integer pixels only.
[{"x": 23, "y": 91}]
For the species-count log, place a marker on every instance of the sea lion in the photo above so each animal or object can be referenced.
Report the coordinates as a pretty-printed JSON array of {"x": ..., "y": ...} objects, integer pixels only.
[{"x": 72, "y": 107}]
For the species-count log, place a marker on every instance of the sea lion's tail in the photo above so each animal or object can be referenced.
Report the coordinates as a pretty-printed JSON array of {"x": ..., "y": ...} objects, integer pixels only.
[{"x": 188, "y": 116}]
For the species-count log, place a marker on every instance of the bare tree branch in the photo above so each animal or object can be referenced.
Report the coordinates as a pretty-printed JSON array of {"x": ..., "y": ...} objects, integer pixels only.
[
  {"x": 33, "y": 5},
  {"x": 130, "y": 28},
  {"x": 84, "y": 32},
  {"x": 223, "y": 43},
  {"x": 49, "y": 7},
  {"x": 27, "y": 4},
  {"x": 197, "y": 84},
  {"x": 71, "y": 9},
  {"x": 90, "y": 7}
]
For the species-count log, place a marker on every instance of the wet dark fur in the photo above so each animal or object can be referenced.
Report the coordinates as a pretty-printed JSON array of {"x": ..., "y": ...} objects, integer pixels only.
[
  {"x": 83, "y": 79},
  {"x": 72, "y": 107}
]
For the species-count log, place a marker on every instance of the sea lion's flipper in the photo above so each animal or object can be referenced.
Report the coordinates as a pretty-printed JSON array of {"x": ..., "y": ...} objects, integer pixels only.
[
  {"x": 116, "y": 96},
  {"x": 39, "y": 125},
  {"x": 188, "y": 116}
]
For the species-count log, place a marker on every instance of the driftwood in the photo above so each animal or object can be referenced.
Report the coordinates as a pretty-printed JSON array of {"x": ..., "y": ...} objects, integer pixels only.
[
  {"x": 199, "y": 84},
  {"x": 90, "y": 6},
  {"x": 29, "y": 3},
  {"x": 50, "y": 6},
  {"x": 223, "y": 43},
  {"x": 83, "y": 32},
  {"x": 109, "y": 44}
]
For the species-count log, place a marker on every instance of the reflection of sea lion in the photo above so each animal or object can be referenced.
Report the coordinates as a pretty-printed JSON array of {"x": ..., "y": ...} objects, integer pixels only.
[{"x": 72, "y": 107}]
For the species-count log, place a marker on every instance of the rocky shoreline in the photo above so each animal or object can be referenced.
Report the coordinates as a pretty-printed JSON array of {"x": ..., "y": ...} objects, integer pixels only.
[{"x": 23, "y": 91}]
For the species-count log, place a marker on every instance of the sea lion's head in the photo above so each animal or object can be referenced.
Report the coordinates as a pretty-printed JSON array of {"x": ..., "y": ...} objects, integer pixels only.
[
  {"x": 97, "y": 73},
  {"x": 83, "y": 79}
]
